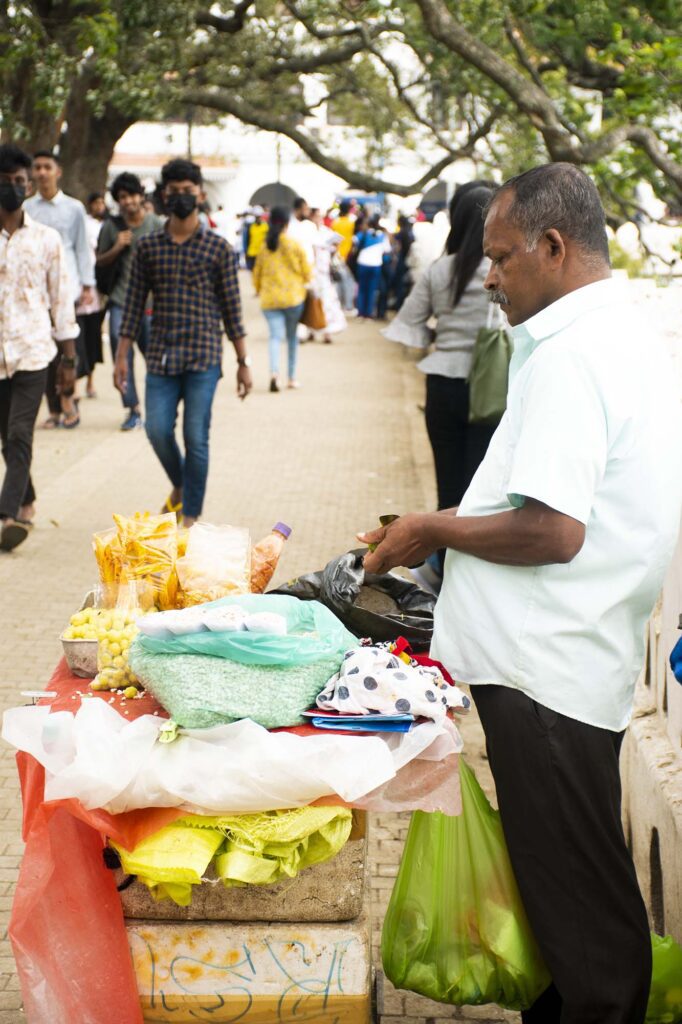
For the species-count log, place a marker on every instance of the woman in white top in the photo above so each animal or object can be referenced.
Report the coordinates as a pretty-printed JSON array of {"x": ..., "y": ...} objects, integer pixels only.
[
  {"x": 451, "y": 291},
  {"x": 326, "y": 245}
]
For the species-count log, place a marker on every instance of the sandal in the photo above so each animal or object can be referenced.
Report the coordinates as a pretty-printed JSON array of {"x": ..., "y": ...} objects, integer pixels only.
[
  {"x": 170, "y": 507},
  {"x": 13, "y": 533},
  {"x": 71, "y": 424},
  {"x": 51, "y": 423}
]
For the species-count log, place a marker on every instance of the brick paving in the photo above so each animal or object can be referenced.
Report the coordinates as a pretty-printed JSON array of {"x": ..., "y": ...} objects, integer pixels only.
[{"x": 328, "y": 459}]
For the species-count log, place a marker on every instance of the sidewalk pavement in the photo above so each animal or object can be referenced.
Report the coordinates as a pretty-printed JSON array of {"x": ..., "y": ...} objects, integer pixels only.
[{"x": 328, "y": 460}]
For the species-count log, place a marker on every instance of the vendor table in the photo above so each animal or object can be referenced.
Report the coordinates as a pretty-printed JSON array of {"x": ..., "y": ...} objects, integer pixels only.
[{"x": 267, "y": 955}]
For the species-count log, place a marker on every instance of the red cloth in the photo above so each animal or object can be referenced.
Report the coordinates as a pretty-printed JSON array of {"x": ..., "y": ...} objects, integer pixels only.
[{"x": 67, "y": 929}]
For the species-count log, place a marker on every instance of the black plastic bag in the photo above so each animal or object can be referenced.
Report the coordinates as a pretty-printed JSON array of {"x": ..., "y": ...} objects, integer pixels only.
[{"x": 344, "y": 581}]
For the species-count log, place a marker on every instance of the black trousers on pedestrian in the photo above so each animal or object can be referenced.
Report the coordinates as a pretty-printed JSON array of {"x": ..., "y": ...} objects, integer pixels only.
[
  {"x": 20, "y": 398},
  {"x": 558, "y": 790},
  {"x": 458, "y": 446}
]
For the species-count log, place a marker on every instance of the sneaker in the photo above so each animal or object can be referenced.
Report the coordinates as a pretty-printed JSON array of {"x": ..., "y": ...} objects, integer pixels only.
[{"x": 133, "y": 421}]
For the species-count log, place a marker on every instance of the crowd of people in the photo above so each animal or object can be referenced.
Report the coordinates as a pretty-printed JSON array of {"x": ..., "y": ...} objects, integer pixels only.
[{"x": 559, "y": 522}]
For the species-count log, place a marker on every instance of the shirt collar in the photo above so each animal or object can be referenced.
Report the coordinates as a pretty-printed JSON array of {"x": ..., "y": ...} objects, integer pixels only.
[
  {"x": 27, "y": 222},
  {"x": 557, "y": 317}
]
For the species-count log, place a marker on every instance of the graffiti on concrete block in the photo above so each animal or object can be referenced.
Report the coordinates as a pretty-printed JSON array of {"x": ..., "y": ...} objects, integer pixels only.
[{"x": 184, "y": 976}]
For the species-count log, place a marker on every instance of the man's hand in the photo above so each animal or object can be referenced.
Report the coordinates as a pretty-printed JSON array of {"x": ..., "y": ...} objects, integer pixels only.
[
  {"x": 65, "y": 384},
  {"x": 403, "y": 542},
  {"x": 87, "y": 295},
  {"x": 121, "y": 364},
  {"x": 244, "y": 381},
  {"x": 123, "y": 239}
]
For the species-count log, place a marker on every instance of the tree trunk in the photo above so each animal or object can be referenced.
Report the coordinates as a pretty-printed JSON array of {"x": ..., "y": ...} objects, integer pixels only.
[{"x": 88, "y": 142}]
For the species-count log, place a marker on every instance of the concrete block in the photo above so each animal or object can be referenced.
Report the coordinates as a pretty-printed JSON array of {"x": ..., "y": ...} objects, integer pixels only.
[
  {"x": 254, "y": 973},
  {"x": 332, "y": 891}
]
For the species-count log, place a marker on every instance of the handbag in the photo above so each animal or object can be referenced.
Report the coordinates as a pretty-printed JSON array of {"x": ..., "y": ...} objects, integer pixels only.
[
  {"x": 107, "y": 277},
  {"x": 489, "y": 376},
  {"x": 312, "y": 315}
]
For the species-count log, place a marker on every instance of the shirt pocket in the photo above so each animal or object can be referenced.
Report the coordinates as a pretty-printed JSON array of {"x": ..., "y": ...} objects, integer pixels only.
[{"x": 199, "y": 277}]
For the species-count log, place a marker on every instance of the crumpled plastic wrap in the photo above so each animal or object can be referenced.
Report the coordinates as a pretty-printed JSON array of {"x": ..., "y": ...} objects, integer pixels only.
[{"x": 105, "y": 761}]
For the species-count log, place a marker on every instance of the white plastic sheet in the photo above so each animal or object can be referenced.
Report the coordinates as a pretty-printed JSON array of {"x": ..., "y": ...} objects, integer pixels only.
[{"x": 104, "y": 761}]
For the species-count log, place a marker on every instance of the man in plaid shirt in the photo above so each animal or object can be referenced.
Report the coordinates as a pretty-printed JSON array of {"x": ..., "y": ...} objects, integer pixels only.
[{"x": 191, "y": 274}]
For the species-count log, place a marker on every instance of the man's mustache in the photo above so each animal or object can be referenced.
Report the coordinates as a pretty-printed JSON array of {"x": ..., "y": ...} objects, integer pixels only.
[{"x": 498, "y": 297}]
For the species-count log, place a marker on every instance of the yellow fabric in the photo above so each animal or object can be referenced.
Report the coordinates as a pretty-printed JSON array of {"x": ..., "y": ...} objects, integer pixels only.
[
  {"x": 172, "y": 860},
  {"x": 257, "y": 233},
  {"x": 247, "y": 849},
  {"x": 281, "y": 277},
  {"x": 344, "y": 226}
]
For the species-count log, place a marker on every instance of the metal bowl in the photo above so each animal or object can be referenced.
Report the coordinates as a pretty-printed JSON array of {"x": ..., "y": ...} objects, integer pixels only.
[{"x": 81, "y": 655}]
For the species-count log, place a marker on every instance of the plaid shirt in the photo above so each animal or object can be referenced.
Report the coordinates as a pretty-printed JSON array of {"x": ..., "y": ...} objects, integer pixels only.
[{"x": 193, "y": 285}]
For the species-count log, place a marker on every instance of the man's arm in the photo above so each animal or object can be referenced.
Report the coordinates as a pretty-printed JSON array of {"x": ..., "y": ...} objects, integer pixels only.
[
  {"x": 84, "y": 257},
  {"x": 65, "y": 330},
  {"x": 139, "y": 287},
  {"x": 229, "y": 300},
  {"x": 534, "y": 534},
  {"x": 228, "y": 295}
]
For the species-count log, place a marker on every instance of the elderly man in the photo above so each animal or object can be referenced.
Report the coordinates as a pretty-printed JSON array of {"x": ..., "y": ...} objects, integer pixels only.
[{"x": 556, "y": 556}]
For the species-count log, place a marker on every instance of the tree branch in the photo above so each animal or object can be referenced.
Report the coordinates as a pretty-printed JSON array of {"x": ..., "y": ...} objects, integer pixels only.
[
  {"x": 228, "y": 103},
  {"x": 639, "y": 135}
]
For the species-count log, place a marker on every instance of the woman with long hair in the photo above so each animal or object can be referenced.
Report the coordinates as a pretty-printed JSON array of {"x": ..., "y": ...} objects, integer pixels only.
[
  {"x": 281, "y": 276},
  {"x": 451, "y": 291}
]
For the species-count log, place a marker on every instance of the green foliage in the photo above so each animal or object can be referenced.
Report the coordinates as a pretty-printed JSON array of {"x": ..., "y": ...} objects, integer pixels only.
[{"x": 622, "y": 260}]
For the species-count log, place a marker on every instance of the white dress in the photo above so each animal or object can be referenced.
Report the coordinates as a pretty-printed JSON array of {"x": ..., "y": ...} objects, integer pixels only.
[{"x": 326, "y": 244}]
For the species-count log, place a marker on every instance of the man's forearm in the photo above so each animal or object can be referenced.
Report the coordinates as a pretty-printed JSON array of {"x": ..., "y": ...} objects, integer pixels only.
[
  {"x": 531, "y": 535},
  {"x": 67, "y": 348},
  {"x": 239, "y": 347}
]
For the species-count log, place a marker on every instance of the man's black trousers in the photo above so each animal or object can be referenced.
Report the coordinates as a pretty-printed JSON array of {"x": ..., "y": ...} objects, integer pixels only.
[
  {"x": 558, "y": 790},
  {"x": 20, "y": 398}
]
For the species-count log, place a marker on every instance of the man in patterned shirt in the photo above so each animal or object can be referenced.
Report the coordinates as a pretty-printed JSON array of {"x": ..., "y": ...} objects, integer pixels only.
[
  {"x": 36, "y": 305},
  {"x": 192, "y": 275}
]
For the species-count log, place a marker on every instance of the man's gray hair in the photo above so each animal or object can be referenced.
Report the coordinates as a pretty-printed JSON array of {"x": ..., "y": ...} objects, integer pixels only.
[{"x": 559, "y": 196}]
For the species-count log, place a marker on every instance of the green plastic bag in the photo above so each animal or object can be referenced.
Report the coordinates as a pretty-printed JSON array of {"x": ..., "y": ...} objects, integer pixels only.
[
  {"x": 489, "y": 375},
  {"x": 456, "y": 930},
  {"x": 665, "y": 998},
  {"x": 313, "y": 634}
]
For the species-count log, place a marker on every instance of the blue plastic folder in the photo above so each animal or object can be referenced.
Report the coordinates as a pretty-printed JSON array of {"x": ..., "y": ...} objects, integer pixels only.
[{"x": 360, "y": 724}]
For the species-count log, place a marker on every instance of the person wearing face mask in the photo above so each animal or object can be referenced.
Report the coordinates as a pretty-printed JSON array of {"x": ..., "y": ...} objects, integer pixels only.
[
  {"x": 191, "y": 273},
  {"x": 36, "y": 310},
  {"x": 116, "y": 245}
]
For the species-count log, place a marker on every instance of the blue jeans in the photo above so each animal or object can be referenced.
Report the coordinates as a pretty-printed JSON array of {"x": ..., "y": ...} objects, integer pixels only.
[
  {"x": 164, "y": 394},
  {"x": 130, "y": 399},
  {"x": 282, "y": 323},
  {"x": 369, "y": 279}
]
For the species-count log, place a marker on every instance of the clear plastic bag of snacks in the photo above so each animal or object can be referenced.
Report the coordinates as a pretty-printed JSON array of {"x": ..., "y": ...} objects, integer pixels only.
[
  {"x": 217, "y": 563},
  {"x": 149, "y": 551},
  {"x": 116, "y": 630}
]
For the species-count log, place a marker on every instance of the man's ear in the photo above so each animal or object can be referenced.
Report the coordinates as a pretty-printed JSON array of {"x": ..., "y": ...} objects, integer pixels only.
[{"x": 555, "y": 246}]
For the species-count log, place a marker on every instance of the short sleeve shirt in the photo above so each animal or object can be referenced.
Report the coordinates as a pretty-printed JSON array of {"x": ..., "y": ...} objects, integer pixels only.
[
  {"x": 591, "y": 430},
  {"x": 107, "y": 238}
]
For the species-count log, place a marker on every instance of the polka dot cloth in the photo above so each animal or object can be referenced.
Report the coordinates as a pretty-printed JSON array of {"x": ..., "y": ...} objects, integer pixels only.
[{"x": 372, "y": 679}]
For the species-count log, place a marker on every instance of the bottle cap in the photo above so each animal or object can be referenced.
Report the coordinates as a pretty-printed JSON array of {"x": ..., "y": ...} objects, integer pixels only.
[{"x": 283, "y": 529}]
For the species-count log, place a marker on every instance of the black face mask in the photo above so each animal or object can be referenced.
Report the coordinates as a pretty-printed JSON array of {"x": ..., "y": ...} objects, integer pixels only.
[
  {"x": 181, "y": 205},
  {"x": 11, "y": 196}
]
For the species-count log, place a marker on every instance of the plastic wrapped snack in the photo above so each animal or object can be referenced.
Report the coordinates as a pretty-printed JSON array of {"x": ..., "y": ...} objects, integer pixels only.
[
  {"x": 149, "y": 551},
  {"x": 217, "y": 563},
  {"x": 108, "y": 553},
  {"x": 116, "y": 631}
]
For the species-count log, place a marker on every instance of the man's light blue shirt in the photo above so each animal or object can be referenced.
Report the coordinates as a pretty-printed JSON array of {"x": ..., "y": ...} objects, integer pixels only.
[
  {"x": 67, "y": 215},
  {"x": 592, "y": 429}
]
